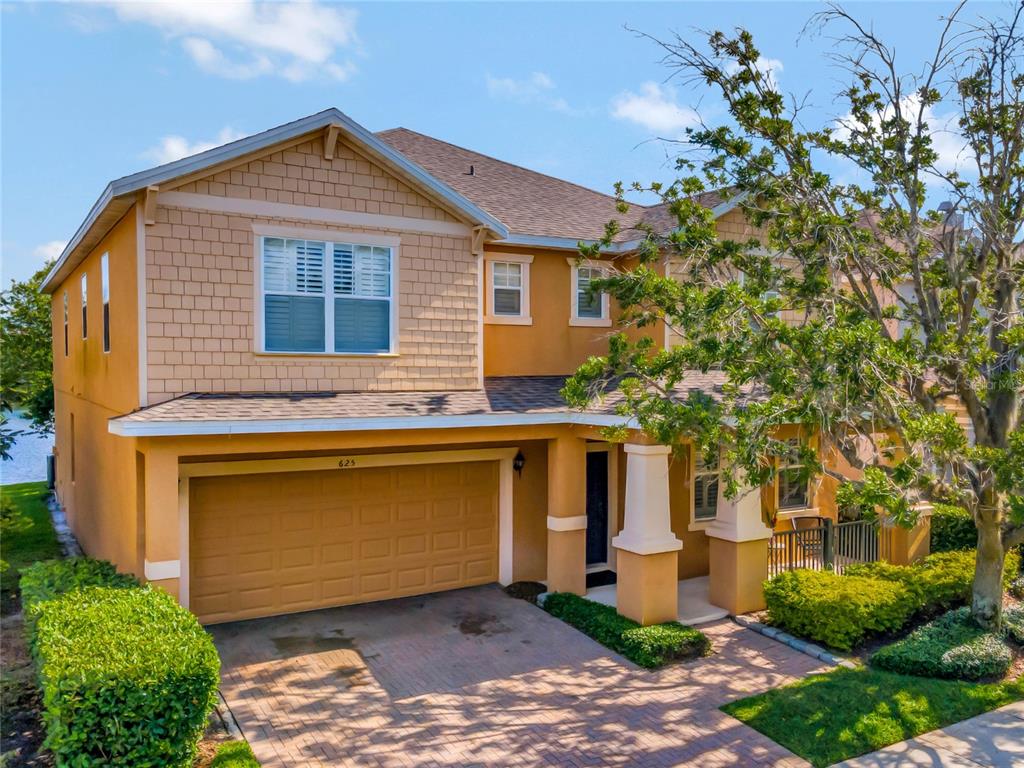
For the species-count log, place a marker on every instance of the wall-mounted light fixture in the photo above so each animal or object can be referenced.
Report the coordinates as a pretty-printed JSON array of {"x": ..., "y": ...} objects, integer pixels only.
[{"x": 518, "y": 463}]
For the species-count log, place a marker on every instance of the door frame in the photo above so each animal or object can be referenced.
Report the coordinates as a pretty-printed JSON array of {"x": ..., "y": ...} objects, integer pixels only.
[
  {"x": 613, "y": 500},
  {"x": 344, "y": 462}
]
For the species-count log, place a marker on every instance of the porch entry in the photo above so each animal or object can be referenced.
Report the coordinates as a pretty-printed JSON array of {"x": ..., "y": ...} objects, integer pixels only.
[{"x": 597, "y": 508}]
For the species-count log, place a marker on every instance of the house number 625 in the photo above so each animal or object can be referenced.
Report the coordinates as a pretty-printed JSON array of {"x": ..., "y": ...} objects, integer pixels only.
[{"x": 345, "y": 463}]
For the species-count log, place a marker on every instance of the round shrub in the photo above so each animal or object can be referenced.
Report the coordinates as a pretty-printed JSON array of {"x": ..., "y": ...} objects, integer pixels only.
[
  {"x": 952, "y": 528},
  {"x": 1013, "y": 619},
  {"x": 952, "y": 646},
  {"x": 128, "y": 677},
  {"x": 839, "y": 611}
]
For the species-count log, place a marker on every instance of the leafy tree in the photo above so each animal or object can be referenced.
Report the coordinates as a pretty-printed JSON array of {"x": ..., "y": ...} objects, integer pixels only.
[
  {"x": 862, "y": 313},
  {"x": 26, "y": 354}
]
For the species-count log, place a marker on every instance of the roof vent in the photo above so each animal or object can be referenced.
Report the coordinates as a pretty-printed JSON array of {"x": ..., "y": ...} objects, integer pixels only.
[{"x": 471, "y": 172}]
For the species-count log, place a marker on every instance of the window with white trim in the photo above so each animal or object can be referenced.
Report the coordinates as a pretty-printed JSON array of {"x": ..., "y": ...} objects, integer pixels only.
[
  {"x": 85, "y": 304},
  {"x": 321, "y": 296},
  {"x": 105, "y": 298},
  {"x": 706, "y": 477},
  {"x": 506, "y": 288},
  {"x": 66, "y": 324},
  {"x": 791, "y": 483},
  {"x": 588, "y": 303}
]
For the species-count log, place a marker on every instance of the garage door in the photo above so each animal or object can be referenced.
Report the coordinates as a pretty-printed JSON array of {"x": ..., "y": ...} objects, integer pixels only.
[{"x": 276, "y": 543}]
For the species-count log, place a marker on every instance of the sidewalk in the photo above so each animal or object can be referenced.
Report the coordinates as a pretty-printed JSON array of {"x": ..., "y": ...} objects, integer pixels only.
[{"x": 993, "y": 739}]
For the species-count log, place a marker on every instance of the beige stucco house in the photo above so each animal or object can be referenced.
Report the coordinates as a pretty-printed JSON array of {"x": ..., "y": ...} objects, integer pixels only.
[{"x": 321, "y": 366}]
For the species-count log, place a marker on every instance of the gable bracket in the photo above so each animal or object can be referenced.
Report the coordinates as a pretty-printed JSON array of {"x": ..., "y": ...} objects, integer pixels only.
[
  {"x": 479, "y": 235},
  {"x": 330, "y": 141},
  {"x": 149, "y": 196}
]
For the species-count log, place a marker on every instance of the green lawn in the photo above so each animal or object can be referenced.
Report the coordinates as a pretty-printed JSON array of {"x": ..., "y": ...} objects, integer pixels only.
[
  {"x": 840, "y": 714},
  {"x": 23, "y": 548},
  {"x": 234, "y": 754}
]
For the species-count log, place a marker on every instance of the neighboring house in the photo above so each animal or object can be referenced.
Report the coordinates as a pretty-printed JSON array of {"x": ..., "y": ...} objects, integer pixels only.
[{"x": 321, "y": 366}]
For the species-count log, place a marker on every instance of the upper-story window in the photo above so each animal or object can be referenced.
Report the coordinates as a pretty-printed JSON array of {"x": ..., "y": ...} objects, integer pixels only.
[
  {"x": 321, "y": 296},
  {"x": 792, "y": 486},
  {"x": 588, "y": 307},
  {"x": 706, "y": 478},
  {"x": 508, "y": 289},
  {"x": 66, "y": 324},
  {"x": 105, "y": 297},
  {"x": 85, "y": 305}
]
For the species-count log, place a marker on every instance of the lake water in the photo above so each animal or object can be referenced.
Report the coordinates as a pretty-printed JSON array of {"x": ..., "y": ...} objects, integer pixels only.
[{"x": 28, "y": 456}]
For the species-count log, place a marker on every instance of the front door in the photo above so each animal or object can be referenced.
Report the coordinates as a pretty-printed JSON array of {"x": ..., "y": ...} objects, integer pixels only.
[{"x": 597, "y": 507}]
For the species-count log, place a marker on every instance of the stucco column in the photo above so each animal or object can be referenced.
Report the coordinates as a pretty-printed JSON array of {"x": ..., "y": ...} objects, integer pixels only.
[
  {"x": 647, "y": 550},
  {"x": 738, "y": 551},
  {"x": 567, "y": 515},
  {"x": 905, "y": 546},
  {"x": 162, "y": 520}
]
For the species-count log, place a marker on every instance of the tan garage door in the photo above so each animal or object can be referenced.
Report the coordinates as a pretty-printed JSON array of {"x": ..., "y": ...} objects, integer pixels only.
[{"x": 292, "y": 541}]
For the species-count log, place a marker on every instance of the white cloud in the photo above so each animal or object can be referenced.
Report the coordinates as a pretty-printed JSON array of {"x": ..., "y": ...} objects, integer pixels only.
[
  {"x": 173, "y": 148},
  {"x": 951, "y": 148},
  {"x": 50, "y": 250},
  {"x": 767, "y": 67},
  {"x": 246, "y": 39},
  {"x": 538, "y": 88},
  {"x": 655, "y": 109}
]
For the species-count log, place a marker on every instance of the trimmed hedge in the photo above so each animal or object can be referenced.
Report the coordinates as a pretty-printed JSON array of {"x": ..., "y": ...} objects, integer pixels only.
[
  {"x": 648, "y": 647},
  {"x": 952, "y": 646},
  {"x": 939, "y": 581},
  {"x": 1013, "y": 618},
  {"x": 952, "y": 528},
  {"x": 839, "y": 611},
  {"x": 128, "y": 676},
  {"x": 49, "y": 580}
]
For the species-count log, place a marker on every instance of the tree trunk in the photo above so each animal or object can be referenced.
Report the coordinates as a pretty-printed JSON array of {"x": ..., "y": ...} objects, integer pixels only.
[{"x": 987, "y": 600}]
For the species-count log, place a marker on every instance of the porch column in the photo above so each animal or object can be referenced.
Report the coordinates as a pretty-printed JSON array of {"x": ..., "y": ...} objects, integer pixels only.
[
  {"x": 162, "y": 535},
  {"x": 647, "y": 551},
  {"x": 738, "y": 553},
  {"x": 567, "y": 515},
  {"x": 905, "y": 546}
]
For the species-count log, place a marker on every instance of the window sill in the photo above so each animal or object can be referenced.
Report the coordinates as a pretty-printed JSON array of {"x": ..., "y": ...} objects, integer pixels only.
[
  {"x": 591, "y": 322},
  {"x": 508, "y": 320},
  {"x": 786, "y": 514},
  {"x": 701, "y": 525},
  {"x": 264, "y": 353}
]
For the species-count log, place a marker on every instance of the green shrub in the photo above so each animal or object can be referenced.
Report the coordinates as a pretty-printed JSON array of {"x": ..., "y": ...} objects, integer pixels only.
[
  {"x": 1014, "y": 620},
  {"x": 128, "y": 677},
  {"x": 649, "y": 647},
  {"x": 952, "y": 646},
  {"x": 49, "y": 580},
  {"x": 839, "y": 611},
  {"x": 939, "y": 581},
  {"x": 1016, "y": 588},
  {"x": 952, "y": 528}
]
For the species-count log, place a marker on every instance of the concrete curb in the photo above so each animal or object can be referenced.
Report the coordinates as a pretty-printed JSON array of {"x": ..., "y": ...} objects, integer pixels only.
[
  {"x": 804, "y": 647},
  {"x": 228, "y": 718}
]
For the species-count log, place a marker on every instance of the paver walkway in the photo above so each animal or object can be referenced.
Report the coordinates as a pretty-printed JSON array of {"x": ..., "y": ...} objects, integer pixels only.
[
  {"x": 994, "y": 740},
  {"x": 474, "y": 677}
]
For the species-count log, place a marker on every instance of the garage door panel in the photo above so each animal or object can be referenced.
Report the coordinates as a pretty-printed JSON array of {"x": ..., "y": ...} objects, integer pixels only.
[{"x": 267, "y": 544}]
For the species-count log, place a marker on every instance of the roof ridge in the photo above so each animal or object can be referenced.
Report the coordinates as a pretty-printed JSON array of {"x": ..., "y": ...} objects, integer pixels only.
[{"x": 611, "y": 198}]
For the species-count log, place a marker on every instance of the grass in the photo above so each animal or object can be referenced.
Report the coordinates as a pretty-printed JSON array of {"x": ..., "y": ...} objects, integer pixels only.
[
  {"x": 234, "y": 754},
  {"x": 22, "y": 548},
  {"x": 840, "y": 714}
]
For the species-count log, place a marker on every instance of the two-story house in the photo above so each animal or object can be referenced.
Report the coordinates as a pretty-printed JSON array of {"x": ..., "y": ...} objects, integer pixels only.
[{"x": 320, "y": 366}]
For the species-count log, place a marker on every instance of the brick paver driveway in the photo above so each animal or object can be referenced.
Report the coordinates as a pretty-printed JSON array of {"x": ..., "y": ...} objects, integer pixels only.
[{"x": 474, "y": 677}]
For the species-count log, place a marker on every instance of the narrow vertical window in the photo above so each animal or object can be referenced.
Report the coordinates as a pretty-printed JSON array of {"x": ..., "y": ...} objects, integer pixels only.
[
  {"x": 105, "y": 298},
  {"x": 705, "y": 487},
  {"x": 792, "y": 483},
  {"x": 85, "y": 306},
  {"x": 65, "y": 323}
]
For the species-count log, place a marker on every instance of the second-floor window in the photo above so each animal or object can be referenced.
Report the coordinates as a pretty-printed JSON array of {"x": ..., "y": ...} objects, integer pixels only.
[
  {"x": 706, "y": 477},
  {"x": 85, "y": 306},
  {"x": 105, "y": 298},
  {"x": 65, "y": 324},
  {"x": 321, "y": 296},
  {"x": 507, "y": 287},
  {"x": 588, "y": 307},
  {"x": 792, "y": 484}
]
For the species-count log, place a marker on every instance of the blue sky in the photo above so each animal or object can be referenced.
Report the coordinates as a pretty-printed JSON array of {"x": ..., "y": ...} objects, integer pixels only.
[{"x": 91, "y": 92}]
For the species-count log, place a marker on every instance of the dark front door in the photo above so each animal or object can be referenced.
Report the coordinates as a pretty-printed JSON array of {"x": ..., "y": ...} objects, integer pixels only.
[{"x": 597, "y": 507}]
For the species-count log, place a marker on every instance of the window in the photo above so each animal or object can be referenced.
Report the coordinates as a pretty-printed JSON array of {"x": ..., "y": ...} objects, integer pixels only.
[
  {"x": 792, "y": 484},
  {"x": 85, "y": 303},
  {"x": 705, "y": 487},
  {"x": 105, "y": 298},
  {"x": 65, "y": 323},
  {"x": 507, "y": 284},
  {"x": 323, "y": 296},
  {"x": 587, "y": 308}
]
